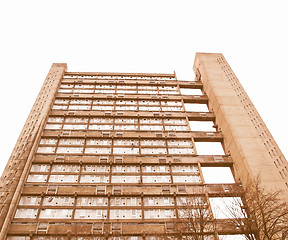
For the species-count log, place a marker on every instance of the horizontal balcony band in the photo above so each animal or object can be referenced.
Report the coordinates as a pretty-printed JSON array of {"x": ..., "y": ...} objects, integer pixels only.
[
  {"x": 172, "y": 75},
  {"x": 187, "y": 98},
  {"x": 190, "y": 84},
  {"x": 148, "y": 227},
  {"x": 196, "y": 116},
  {"x": 204, "y": 160},
  {"x": 127, "y": 82},
  {"x": 197, "y": 136},
  {"x": 213, "y": 190}
]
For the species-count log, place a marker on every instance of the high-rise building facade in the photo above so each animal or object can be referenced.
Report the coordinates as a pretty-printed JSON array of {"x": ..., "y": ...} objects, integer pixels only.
[{"x": 119, "y": 155}]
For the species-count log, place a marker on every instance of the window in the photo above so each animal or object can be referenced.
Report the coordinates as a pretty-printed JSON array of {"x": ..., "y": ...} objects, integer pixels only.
[
  {"x": 27, "y": 200},
  {"x": 186, "y": 179},
  {"x": 90, "y": 214},
  {"x": 158, "y": 201},
  {"x": 125, "y": 214},
  {"x": 40, "y": 168},
  {"x": 59, "y": 107},
  {"x": 159, "y": 213},
  {"x": 76, "y": 120},
  {"x": 126, "y": 120},
  {"x": 122, "y": 142},
  {"x": 74, "y": 127},
  {"x": 151, "y": 127},
  {"x": 185, "y": 169},
  {"x": 95, "y": 168},
  {"x": 125, "y": 201},
  {"x": 58, "y": 201},
  {"x": 126, "y": 127},
  {"x": 105, "y": 142},
  {"x": 176, "y": 128},
  {"x": 125, "y": 150},
  {"x": 46, "y": 150},
  {"x": 171, "y": 103},
  {"x": 37, "y": 178},
  {"x": 149, "y": 103},
  {"x": 65, "y": 168},
  {"x": 101, "y": 120},
  {"x": 53, "y": 126},
  {"x": 177, "y": 143},
  {"x": 153, "y": 151},
  {"x": 125, "y": 179},
  {"x": 102, "y": 107},
  {"x": 150, "y": 120},
  {"x": 73, "y": 150},
  {"x": 91, "y": 150},
  {"x": 181, "y": 151},
  {"x": 123, "y": 169},
  {"x": 147, "y": 169},
  {"x": 26, "y": 213},
  {"x": 55, "y": 119},
  {"x": 63, "y": 178},
  {"x": 172, "y": 109},
  {"x": 153, "y": 143},
  {"x": 94, "y": 179},
  {"x": 71, "y": 141},
  {"x": 100, "y": 127},
  {"x": 92, "y": 201},
  {"x": 156, "y": 179},
  {"x": 175, "y": 121}
]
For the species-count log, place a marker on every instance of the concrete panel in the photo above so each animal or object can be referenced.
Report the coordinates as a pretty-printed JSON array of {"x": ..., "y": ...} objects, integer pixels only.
[{"x": 241, "y": 138}]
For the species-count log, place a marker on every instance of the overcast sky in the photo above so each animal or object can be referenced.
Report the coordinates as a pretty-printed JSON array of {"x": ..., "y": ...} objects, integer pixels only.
[{"x": 141, "y": 36}]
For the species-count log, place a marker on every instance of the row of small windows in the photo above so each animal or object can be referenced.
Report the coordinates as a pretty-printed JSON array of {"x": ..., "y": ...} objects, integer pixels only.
[
  {"x": 115, "y": 142},
  {"x": 122, "y": 127},
  {"x": 73, "y": 168},
  {"x": 98, "y": 213},
  {"x": 61, "y": 207},
  {"x": 112, "y": 86},
  {"x": 127, "y": 105},
  {"x": 72, "y": 107},
  {"x": 102, "y": 201},
  {"x": 120, "y": 146},
  {"x": 120, "y": 77},
  {"x": 126, "y": 124},
  {"x": 159, "y": 179},
  {"x": 178, "y": 121},
  {"x": 115, "y": 150},
  {"x": 111, "y": 91},
  {"x": 117, "y": 102},
  {"x": 117, "y": 108}
]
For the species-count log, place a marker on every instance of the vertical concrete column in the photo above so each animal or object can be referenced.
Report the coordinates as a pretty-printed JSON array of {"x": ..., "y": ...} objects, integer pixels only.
[
  {"x": 246, "y": 137},
  {"x": 17, "y": 168}
]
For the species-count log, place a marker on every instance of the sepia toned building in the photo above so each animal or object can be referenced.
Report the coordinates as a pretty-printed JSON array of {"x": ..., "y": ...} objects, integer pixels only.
[{"x": 118, "y": 155}]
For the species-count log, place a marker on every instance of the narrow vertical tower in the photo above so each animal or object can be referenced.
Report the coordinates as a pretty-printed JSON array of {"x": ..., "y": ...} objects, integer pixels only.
[
  {"x": 17, "y": 168},
  {"x": 246, "y": 137}
]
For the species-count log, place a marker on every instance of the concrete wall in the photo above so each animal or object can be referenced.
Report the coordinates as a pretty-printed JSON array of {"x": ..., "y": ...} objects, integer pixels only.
[{"x": 253, "y": 149}]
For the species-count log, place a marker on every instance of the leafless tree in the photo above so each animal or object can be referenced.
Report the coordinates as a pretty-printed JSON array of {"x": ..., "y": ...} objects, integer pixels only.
[
  {"x": 195, "y": 220},
  {"x": 263, "y": 214}
]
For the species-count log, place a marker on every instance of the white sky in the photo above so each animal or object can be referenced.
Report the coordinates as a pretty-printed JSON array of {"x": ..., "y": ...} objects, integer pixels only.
[{"x": 141, "y": 36}]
